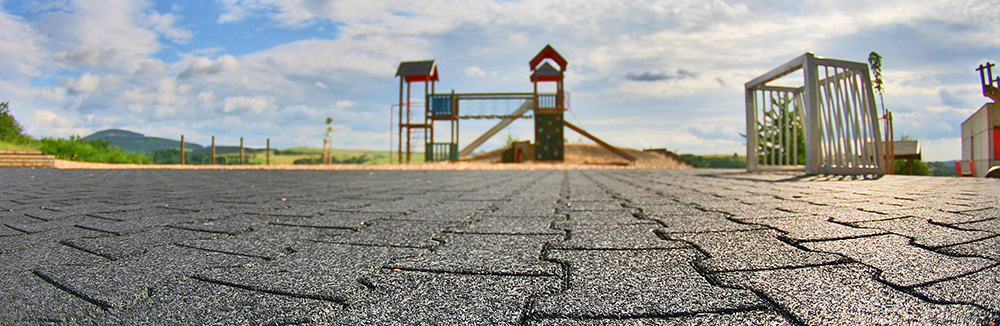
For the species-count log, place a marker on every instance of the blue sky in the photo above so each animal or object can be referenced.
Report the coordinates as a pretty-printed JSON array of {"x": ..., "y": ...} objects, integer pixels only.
[{"x": 642, "y": 74}]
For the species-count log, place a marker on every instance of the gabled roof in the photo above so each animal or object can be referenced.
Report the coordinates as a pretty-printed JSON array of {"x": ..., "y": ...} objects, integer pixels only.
[
  {"x": 418, "y": 70},
  {"x": 549, "y": 53},
  {"x": 546, "y": 73}
]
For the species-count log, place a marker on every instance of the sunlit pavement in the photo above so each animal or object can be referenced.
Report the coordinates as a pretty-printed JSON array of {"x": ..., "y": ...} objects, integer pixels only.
[{"x": 596, "y": 247}]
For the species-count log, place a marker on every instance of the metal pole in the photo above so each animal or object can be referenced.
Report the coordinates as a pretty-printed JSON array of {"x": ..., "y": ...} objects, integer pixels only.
[
  {"x": 241, "y": 151},
  {"x": 811, "y": 125},
  {"x": 182, "y": 149},
  {"x": 268, "y": 151},
  {"x": 213, "y": 149},
  {"x": 399, "y": 152}
]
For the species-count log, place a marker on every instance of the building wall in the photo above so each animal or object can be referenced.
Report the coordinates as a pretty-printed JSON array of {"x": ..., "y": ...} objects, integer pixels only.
[{"x": 977, "y": 138}]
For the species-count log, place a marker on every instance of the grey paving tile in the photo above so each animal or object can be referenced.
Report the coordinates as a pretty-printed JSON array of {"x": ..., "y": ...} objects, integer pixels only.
[
  {"x": 316, "y": 270},
  {"x": 925, "y": 233},
  {"x": 635, "y": 283},
  {"x": 736, "y": 318},
  {"x": 29, "y": 299},
  {"x": 187, "y": 301},
  {"x": 614, "y": 236},
  {"x": 511, "y": 225},
  {"x": 990, "y": 225},
  {"x": 750, "y": 250},
  {"x": 603, "y": 217},
  {"x": 335, "y": 220},
  {"x": 526, "y": 208},
  {"x": 848, "y": 294},
  {"x": 899, "y": 262},
  {"x": 119, "y": 247},
  {"x": 265, "y": 242},
  {"x": 988, "y": 248},
  {"x": 121, "y": 282},
  {"x": 701, "y": 222},
  {"x": 592, "y": 205},
  {"x": 979, "y": 287},
  {"x": 936, "y": 215},
  {"x": 417, "y": 298},
  {"x": 811, "y": 228},
  {"x": 395, "y": 233},
  {"x": 494, "y": 254}
]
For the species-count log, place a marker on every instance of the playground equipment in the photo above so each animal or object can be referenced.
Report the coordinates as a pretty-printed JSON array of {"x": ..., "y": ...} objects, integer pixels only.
[
  {"x": 829, "y": 125},
  {"x": 991, "y": 86},
  {"x": 981, "y": 131},
  {"x": 547, "y": 111}
]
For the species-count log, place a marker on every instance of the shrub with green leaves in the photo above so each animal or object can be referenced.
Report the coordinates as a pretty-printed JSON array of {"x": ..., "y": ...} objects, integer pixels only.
[
  {"x": 10, "y": 130},
  {"x": 77, "y": 149}
]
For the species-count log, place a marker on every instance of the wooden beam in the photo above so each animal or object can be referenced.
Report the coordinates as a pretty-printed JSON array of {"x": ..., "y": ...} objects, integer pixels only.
[{"x": 599, "y": 141}]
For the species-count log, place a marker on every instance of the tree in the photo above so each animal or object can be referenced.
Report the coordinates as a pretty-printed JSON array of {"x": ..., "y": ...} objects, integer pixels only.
[
  {"x": 328, "y": 142},
  {"x": 10, "y": 130},
  {"x": 875, "y": 60}
]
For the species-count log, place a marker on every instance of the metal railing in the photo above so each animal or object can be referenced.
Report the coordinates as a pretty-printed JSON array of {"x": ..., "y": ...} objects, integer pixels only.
[{"x": 828, "y": 125}]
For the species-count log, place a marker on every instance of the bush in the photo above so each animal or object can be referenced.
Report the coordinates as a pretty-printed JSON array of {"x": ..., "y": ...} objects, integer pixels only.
[
  {"x": 716, "y": 161},
  {"x": 77, "y": 149},
  {"x": 10, "y": 130},
  {"x": 319, "y": 160},
  {"x": 919, "y": 167}
]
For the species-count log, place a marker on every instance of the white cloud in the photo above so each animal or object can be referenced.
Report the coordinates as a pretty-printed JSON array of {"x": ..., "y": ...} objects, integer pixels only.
[
  {"x": 320, "y": 85},
  {"x": 165, "y": 25},
  {"x": 251, "y": 104},
  {"x": 343, "y": 104},
  {"x": 86, "y": 84},
  {"x": 205, "y": 66}
]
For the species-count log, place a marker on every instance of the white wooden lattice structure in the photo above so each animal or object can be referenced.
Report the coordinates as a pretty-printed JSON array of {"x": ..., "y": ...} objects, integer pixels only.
[{"x": 829, "y": 125}]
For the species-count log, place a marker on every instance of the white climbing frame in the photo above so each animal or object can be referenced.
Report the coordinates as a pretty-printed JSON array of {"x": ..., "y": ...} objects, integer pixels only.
[{"x": 835, "y": 108}]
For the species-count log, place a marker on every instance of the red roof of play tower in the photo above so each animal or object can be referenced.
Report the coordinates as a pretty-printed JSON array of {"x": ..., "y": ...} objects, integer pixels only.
[{"x": 549, "y": 53}]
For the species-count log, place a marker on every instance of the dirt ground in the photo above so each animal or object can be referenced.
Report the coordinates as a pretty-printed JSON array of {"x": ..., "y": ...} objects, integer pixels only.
[{"x": 578, "y": 156}]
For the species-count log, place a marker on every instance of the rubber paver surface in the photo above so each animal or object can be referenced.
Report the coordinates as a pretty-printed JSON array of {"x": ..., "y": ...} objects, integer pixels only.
[{"x": 580, "y": 247}]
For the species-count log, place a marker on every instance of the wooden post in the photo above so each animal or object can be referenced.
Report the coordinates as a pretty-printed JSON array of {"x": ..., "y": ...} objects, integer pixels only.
[
  {"x": 268, "y": 162},
  {"x": 213, "y": 149},
  {"x": 182, "y": 149},
  {"x": 323, "y": 156},
  {"x": 241, "y": 151}
]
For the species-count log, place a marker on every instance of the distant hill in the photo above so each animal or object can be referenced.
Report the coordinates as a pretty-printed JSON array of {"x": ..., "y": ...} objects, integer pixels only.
[{"x": 130, "y": 141}]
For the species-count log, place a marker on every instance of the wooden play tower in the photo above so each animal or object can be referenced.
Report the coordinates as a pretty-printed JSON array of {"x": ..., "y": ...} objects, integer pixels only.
[{"x": 547, "y": 109}]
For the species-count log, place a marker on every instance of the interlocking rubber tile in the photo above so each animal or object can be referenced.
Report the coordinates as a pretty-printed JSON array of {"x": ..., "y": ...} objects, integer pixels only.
[
  {"x": 496, "y": 254},
  {"x": 417, "y": 298},
  {"x": 395, "y": 233},
  {"x": 848, "y": 294},
  {"x": 925, "y": 233},
  {"x": 29, "y": 299},
  {"x": 988, "y": 248},
  {"x": 750, "y": 250},
  {"x": 633, "y": 247},
  {"x": 614, "y": 236},
  {"x": 121, "y": 282},
  {"x": 186, "y": 301},
  {"x": 603, "y": 217},
  {"x": 511, "y": 225},
  {"x": 316, "y": 270},
  {"x": 811, "y": 228},
  {"x": 979, "y": 288},
  {"x": 729, "y": 318},
  {"x": 899, "y": 262},
  {"x": 636, "y": 283},
  {"x": 119, "y": 247}
]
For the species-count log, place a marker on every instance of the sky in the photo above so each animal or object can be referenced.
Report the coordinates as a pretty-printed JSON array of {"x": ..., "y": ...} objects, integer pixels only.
[{"x": 642, "y": 74}]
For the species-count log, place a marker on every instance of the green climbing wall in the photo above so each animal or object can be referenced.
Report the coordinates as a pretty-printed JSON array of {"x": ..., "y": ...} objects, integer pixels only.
[{"x": 549, "y": 137}]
